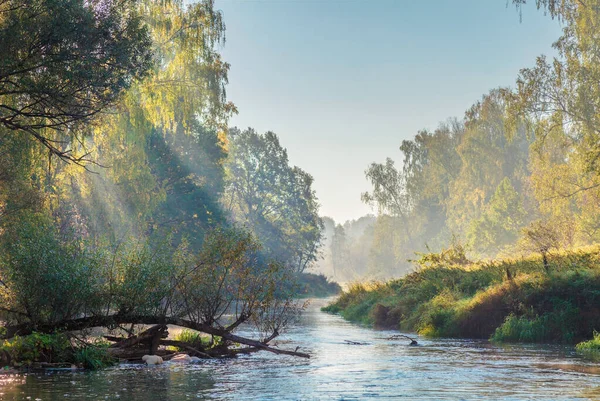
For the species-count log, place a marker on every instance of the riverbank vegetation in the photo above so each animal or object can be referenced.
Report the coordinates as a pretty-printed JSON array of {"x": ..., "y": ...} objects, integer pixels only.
[
  {"x": 590, "y": 348},
  {"x": 510, "y": 300}
]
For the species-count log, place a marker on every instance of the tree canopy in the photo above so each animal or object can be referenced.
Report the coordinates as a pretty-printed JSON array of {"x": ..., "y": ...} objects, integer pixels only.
[{"x": 63, "y": 62}]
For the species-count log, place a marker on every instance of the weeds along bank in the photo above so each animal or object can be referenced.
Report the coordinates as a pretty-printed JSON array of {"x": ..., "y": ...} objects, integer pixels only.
[{"x": 510, "y": 300}]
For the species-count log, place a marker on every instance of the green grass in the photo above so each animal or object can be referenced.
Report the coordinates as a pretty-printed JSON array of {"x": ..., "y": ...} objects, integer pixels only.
[{"x": 479, "y": 300}]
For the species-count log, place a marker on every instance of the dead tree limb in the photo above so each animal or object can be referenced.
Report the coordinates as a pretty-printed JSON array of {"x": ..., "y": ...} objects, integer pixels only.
[
  {"x": 399, "y": 336},
  {"x": 191, "y": 350},
  {"x": 144, "y": 336}
]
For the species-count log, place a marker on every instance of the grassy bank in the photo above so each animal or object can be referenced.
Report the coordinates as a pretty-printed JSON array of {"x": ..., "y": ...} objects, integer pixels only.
[{"x": 510, "y": 300}]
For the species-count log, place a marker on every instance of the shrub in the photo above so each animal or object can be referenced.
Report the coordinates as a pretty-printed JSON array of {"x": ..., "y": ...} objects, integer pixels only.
[
  {"x": 38, "y": 347},
  {"x": 194, "y": 338},
  {"x": 591, "y": 348},
  {"x": 94, "y": 356}
]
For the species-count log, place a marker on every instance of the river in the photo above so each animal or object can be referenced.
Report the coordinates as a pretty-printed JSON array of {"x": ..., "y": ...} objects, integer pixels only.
[{"x": 439, "y": 369}]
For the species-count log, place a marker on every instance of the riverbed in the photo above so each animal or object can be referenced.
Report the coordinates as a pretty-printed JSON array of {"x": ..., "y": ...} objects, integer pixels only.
[{"x": 439, "y": 369}]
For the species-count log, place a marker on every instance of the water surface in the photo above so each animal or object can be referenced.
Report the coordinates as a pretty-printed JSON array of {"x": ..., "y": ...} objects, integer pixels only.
[{"x": 443, "y": 369}]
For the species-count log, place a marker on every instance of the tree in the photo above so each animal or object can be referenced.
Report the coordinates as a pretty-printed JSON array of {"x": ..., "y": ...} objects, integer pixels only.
[
  {"x": 63, "y": 62},
  {"x": 500, "y": 222},
  {"x": 390, "y": 194},
  {"x": 488, "y": 157},
  {"x": 559, "y": 101},
  {"x": 541, "y": 237},
  {"x": 431, "y": 164},
  {"x": 190, "y": 168},
  {"x": 275, "y": 200},
  {"x": 173, "y": 116},
  {"x": 563, "y": 94},
  {"x": 339, "y": 250}
]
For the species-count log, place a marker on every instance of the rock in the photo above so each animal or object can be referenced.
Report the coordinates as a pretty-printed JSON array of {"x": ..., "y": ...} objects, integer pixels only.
[
  {"x": 152, "y": 359},
  {"x": 181, "y": 358}
]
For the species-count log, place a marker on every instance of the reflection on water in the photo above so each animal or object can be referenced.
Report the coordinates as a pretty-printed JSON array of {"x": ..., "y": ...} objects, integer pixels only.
[{"x": 439, "y": 369}]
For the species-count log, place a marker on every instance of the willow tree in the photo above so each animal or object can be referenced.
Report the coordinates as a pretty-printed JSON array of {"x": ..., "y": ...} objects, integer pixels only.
[{"x": 175, "y": 116}]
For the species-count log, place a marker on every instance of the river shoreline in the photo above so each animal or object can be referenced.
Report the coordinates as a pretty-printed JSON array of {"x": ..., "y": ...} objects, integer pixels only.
[{"x": 503, "y": 301}]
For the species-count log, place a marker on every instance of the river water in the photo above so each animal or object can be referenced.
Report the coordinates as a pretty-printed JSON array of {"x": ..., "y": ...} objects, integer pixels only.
[{"x": 440, "y": 369}]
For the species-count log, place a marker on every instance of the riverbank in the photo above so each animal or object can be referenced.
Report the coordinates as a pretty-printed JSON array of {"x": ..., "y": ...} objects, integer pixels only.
[{"x": 512, "y": 300}]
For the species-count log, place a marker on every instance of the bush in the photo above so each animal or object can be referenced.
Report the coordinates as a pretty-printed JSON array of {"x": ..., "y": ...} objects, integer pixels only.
[
  {"x": 590, "y": 349},
  {"x": 194, "y": 338},
  {"x": 94, "y": 356},
  {"x": 38, "y": 348}
]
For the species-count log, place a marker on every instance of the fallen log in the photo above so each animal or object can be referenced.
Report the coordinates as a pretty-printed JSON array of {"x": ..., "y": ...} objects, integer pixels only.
[{"x": 112, "y": 320}]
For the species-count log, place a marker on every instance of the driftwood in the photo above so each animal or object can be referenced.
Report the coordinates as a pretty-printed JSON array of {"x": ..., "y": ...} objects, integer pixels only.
[
  {"x": 355, "y": 342},
  {"x": 400, "y": 336}
]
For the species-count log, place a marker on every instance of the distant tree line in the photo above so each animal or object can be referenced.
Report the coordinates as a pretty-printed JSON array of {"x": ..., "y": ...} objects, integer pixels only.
[{"x": 518, "y": 173}]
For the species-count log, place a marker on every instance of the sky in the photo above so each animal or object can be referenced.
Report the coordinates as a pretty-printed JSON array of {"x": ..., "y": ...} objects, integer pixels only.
[{"x": 344, "y": 82}]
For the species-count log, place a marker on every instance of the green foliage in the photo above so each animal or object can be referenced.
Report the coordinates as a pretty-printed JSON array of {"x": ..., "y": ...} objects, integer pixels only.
[
  {"x": 38, "y": 347},
  {"x": 275, "y": 200},
  {"x": 500, "y": 221},
  {"x": 64, "y": 61},
  {"x": 590, "y": 348},
  {"x": 455, "y": 254},
  {"x": 192, "y": 168},
  {"x": 191, "y": 337},
  {"x": 46, "y": 278},
  {"x": 56, "y": 348},
  {"x": 94, "y": 356},
  {"x": 554, "y": 326}
]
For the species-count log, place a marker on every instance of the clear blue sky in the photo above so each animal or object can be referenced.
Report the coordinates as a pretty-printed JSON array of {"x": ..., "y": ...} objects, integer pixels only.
[{"x": 343, "y": 82}]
